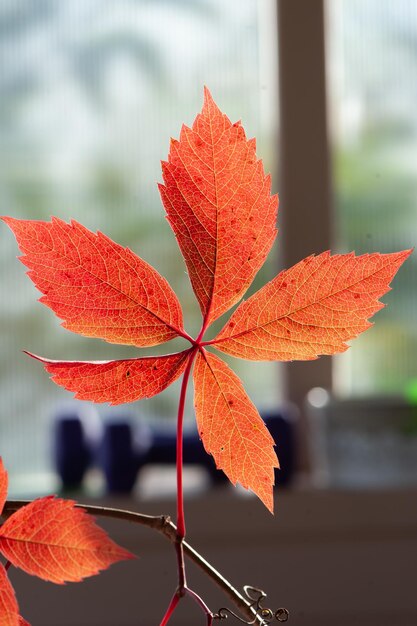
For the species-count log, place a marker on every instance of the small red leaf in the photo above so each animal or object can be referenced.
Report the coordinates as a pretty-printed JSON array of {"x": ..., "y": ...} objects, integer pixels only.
[
  {"x": 218, "y": 202},
  {"x": 311, "y": 309},
  {"x": 116, "y": 381},
  {"x": 232, "y": 429},
  {"x": 98, "y": 288},
  {"x": 52, "y": 539},
  {"x": 9, "y": 610},
  {"x": 4, "y": 485}
]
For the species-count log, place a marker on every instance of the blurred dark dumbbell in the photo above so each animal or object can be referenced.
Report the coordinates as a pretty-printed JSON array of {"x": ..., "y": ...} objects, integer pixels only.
[
  {"x": 124, "y": 449},
  {"x": 75, "y": 433},
  {"x": 127, "y": 445}
]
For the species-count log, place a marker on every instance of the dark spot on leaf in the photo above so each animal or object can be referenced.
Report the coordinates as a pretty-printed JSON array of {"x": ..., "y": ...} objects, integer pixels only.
[
  {"x": 284, "y": 284},
  {"x": 127, "y": 373},
  {"x": 155, "y": 367},
  {"x": 251, "y": 218},
  {"x": 230, "y": 402},
  {"x": 357, "y": 295},
  {"x": 231, "y": 324}
]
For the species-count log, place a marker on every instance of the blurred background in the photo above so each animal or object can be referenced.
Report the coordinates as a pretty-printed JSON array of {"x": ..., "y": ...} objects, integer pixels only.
[{"x": 90, "y": 93}]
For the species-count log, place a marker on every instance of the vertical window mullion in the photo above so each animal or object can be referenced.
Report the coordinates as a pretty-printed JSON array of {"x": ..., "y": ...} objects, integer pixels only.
[{"x": 304, "y": 165}]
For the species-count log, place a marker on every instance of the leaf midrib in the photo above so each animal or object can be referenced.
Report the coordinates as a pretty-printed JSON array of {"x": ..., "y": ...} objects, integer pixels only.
[{"x": 49, "y": 545}]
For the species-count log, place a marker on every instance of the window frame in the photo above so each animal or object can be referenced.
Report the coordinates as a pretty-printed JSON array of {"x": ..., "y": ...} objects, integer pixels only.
[{"x": 304, "y": 170}]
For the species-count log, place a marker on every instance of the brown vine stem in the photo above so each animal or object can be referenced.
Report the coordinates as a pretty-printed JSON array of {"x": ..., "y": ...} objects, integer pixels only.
[{"x": 164, "y": 525}]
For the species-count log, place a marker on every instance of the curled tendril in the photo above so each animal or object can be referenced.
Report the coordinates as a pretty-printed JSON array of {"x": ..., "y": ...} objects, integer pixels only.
[{"x": 256, "y": 596}]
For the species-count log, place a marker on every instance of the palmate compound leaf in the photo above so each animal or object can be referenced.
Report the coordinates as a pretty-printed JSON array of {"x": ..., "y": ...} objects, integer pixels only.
[
  {"x": 218, "y": 203},
  {"x": 217, "y": 199},
  {"x": 310, "y": 309},
  {"x": 116, "y": 382},
  {"x": 9, "y": 610},
  {"x": 53, "y": 540},
  {"x": 232, "y": 429},
  {"x": 98, "y": 288}
]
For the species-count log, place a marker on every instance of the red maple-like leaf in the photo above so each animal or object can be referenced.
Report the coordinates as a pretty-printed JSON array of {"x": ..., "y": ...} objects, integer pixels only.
[
  {"x": 98, "y": 288},
  {"x": 218, "y": 203},
  {"x": 52, "y": 539},
  {"x": 4, "y": 485},
  {"x": 9, "y": 609},
  {"x": 311, "y": 309},
  {"x": 239, "y": 442},
  {"x": 117, "y": 382}
]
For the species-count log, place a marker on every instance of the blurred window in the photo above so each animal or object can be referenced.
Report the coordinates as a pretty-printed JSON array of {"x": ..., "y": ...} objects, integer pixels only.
[
  {"x": 372, "y": 70},
  {"x": 90, "y": 93}
]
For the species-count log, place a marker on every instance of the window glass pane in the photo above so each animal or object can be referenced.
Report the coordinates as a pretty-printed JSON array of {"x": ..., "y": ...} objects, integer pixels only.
[
  {"x": 372, "y": 64},
  {"x": 91, "y": 92}
]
